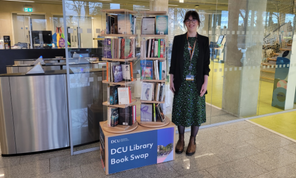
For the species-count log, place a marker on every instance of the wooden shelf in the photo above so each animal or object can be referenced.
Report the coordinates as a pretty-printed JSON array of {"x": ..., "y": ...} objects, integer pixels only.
[
  {"x": 122, "y": 83},
  {"x": 153, "y": 12},
  {"x": 119, "y": 60},
  {"x": 154, "y": 81},
  {"x": 119, "y": 128},
  {"x": 119, "y": 35},
  {"x": 285, "y": 49},
  {"x": 151, "y": 102},
  {"x": 267, "y": 78},
  {"x": 153, "y": 59},
  {"x": 289, "y": 44},
  {"x": 271, "y": 59},
  {"x": 154, "y": 124},
  {"x": 153, "y": 36},
  {"x": 267, "y": 71},
  {"x": 267, "y": 64},
  {"x": 276, "y": 54},
  {"x": 106, "y": 103},
  {"x": 119, "y": 11}
]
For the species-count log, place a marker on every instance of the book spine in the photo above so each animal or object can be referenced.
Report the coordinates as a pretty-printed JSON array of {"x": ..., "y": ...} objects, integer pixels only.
[
  {"x": 160, "y": 70},
  {"x": 154, "y": 115},
  {"x": 135, "y": 113},
  {"x": 162, "y": 48},
  {"x": 158, "y": 48},
  {"x": 130, "y": 94},
  {"x": 108, "y": 94},
  {"x": 107, "y": 74},
  {"x": 131, "y": 70}
]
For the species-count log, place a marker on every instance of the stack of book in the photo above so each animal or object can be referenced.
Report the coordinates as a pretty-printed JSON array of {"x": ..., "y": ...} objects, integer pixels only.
[
  {"x": 151, "y": 113},
  {"x": 155, "y": 25},
  {"x": 153, "y": 70},
  {"x": 152, "y": 92},
  {"x": 121, "y": 116},
  {"x": 153, "y": 48},
  {"x": 119, "y": 95},
  {"x": 119, "y": 48},
  {"x": 120, "y": 24},
  {"x": 119, "y": 71}
]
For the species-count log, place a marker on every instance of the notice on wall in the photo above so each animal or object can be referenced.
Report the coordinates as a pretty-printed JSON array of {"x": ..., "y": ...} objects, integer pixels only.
[
  {"x": 88, "y": 30},
  {"x": 70, "y": 30},
  {"x": 80, "y": 30},
  {"x": 132, "y": 151}
]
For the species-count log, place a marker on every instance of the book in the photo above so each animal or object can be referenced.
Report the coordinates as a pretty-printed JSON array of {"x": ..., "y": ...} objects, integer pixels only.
[
  {"x": 149, "y": 48},
  {"x": 107, "y": 48},
  {"x": 162, "y": 48},
  {"x": 126, "y": 72},
  {"x": 146, "y": 112},
  {"x": 155, "y": 48},
  {"x": 146, "y": 69},
  {"x": 148, "y": 26},
  {"x": 160, "y": 70},
  {"x": 161, "y": 92},
  {"x": 113, "y": 96},
  {"x": 147, "y": 91},
  {"x": 152, "y": 48},
  {"x": 132, "y": 74},
  {"x": 111, "y": 70},
  {"x": 124, "y": 24},
  {"x": 124, "y": 116},
  {"x": 117, "y": 73},
  {"x": 114, "y": 117},
  {"x": 157, "y": 91},
  {"x": 124, "y": 96},
  {"x": 154, "y": 114},
  {"x": 160, "y": 113},
  {"x": 155, "y": 69},
  {"x": 122, "y": 48},
  {"x": 161, "y": 24},
  {"x": 163, "y": 70}
]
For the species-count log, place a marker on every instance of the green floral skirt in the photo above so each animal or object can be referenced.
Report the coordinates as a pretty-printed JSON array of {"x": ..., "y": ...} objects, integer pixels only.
[{"x": 188, "y": 107}]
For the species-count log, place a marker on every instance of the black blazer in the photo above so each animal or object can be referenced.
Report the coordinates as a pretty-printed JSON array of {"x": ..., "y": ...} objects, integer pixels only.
[{"x": 177, "y": 60}]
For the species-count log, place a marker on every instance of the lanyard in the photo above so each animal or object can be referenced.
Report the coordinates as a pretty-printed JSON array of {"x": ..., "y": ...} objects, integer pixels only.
[{"x": 191, "y": 50}]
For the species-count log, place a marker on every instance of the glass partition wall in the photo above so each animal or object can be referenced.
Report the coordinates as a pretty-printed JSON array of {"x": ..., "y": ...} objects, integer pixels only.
[{"x": 84, "y": 73}]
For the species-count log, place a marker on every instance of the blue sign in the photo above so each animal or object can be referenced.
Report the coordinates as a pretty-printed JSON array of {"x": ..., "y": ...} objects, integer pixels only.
[{"x": 140, "y": 149}]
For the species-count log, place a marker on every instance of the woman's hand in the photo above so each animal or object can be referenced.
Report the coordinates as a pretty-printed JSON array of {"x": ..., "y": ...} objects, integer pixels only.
[
  {"x": 204, "y": 86},
  {"x": 203, "y": 89},
  {"x": 172, "y": 83}
]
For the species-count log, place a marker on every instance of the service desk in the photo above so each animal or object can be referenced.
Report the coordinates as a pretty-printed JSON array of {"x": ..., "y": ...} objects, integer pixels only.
[
  {"x": 34, "y": 110},
  {"x": 141, "y": 147}
]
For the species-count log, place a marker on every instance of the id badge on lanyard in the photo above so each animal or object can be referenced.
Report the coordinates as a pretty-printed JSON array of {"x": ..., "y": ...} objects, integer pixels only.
[{"x": 190, "y": 77}]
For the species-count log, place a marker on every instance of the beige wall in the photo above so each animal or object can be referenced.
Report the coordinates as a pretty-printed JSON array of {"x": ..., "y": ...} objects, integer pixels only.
[{"x": 7, "y": 8}]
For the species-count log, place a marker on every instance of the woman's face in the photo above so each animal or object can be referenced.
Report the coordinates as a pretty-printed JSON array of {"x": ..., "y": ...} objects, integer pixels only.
[{"x": 191, "y": 24}]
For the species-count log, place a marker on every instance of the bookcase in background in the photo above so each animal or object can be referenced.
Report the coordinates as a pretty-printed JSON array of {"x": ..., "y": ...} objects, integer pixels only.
[
  {"x": 154, "y": 31},
  {"x": 119, "y": 52}
]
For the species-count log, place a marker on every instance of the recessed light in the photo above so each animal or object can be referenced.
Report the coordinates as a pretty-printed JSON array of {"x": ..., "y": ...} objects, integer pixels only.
[{"x": 181, "y": 1}]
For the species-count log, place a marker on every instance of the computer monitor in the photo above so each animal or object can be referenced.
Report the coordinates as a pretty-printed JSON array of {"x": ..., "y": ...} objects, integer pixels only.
[
  {"x": 220, "y": 39},
  {"x": 47, "y": 37}
]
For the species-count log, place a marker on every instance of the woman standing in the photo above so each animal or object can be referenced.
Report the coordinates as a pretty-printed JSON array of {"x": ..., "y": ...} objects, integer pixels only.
[{"x": 189, "y": 73}]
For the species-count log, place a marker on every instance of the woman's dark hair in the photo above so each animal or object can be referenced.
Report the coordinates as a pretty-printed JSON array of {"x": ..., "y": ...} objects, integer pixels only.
[{"x": 193, "y": 14}]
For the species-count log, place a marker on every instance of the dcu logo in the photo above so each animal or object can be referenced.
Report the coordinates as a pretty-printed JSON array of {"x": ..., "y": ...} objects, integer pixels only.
[{"x": 119, "y": 140}]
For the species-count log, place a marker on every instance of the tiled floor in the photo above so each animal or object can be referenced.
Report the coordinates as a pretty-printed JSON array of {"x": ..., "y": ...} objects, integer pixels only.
[{"x": 235, "y": 150}]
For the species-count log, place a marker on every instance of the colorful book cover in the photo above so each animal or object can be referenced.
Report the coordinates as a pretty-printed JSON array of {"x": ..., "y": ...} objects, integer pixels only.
[
  {"x": 154, "y": 115},
  {"x": 124, "y": 116},
  {"x": 113, "y": 95},
  {"x": 146, "y": 112},
  {"x": 124, "y": 24},
  {"x": 147, "y": 91},
  {"x": 117, "y": 73},
  {"x": 114, "y": 117},
  {"x": 162, "y": 24},
  {"x": 122, "y": 49},
  {"x": 126, "y": 71},
  {"x": 148, "y": 26},
  {"x": 146, "y": 70}
]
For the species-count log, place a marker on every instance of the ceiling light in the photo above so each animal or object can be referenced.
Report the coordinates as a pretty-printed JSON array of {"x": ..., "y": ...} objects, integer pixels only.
[
  {"x": 181, "y": 1},
  {"x": 20, "y": 1}
]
